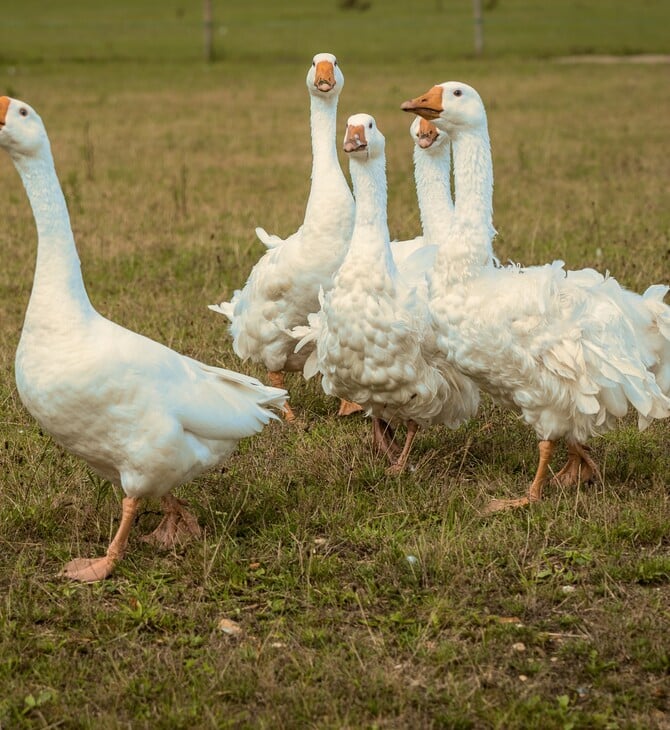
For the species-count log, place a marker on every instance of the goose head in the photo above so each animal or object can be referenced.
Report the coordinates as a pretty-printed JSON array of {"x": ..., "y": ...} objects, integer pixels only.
[
  {"x": 324, "y": 76},
  {"x": 362, "y": 138},
  {"x": 451, "y": 106},
  {"x": 426, "y": 135},
  {"x": 21, "y": 129}
]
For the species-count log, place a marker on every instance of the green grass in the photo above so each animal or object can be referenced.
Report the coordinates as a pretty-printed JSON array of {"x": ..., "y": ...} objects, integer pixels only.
[{"x": 552, "y": 618}]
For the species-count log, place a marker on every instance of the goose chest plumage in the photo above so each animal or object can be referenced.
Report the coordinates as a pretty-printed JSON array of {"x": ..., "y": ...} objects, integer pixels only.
[{"x": 140, "y": 414}]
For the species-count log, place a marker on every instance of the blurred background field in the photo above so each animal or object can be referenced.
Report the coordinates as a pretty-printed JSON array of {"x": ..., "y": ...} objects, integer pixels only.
[
  {"x": 555, "y": 618},
  {"x": 361, "y": 30}
]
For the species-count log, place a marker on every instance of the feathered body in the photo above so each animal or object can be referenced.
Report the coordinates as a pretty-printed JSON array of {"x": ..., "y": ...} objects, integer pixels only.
[
  {"x": 571, "y": 350},
  {"x": 283, "y": 286},
  {"x": 560, "y": 348},
  {"x": 140, "y": 414}
]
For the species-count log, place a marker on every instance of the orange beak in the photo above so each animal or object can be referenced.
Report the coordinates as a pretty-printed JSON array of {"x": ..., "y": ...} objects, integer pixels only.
[
  {"x": 4, "y": 106},
  {"x": 355, "y": 138},
  {"x": 428, "y": 133},
  {"x": 428, "y": 105},
  {"x": 324, "y": 77}
]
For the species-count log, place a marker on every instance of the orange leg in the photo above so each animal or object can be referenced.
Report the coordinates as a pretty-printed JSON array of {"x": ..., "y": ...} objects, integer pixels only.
[
  {"x": 348, "y": 407},
  {"x": 177, "y": 526},
  {"x": 276, "y": 378},
  {"x": 546, "y": 449},
  {"x": 399, "y": 465},
  {"x": 89, "y": 570},
  {"x": 580, "y": 467}
]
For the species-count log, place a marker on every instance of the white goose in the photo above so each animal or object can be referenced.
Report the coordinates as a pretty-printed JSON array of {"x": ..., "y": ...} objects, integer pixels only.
[
  {"x": 283, "y": 287},
  {"x": 372, "y": 321},
  {"x": 570, "y": 350},
  {"x": 140, "y": 414}
]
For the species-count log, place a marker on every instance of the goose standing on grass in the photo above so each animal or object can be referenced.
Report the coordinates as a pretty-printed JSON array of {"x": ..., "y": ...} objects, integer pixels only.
[
  {"x": 283, "y": 287},
  {"x": 143, "y": 416},
  {"x": 369, "y": 330},
  {"x": 571, "y": 350}
]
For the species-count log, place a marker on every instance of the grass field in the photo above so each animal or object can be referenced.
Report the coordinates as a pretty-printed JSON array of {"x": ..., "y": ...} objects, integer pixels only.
[{"x": 555, "y": 617}]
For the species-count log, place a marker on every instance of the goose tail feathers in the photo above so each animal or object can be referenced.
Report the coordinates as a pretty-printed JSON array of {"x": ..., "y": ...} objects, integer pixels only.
[
  {"x": 225, "y": 308},
  {"x": 641, "y": 369},
  {"x": 269, "y": 240},
  {"x": 307, "y": 336}
]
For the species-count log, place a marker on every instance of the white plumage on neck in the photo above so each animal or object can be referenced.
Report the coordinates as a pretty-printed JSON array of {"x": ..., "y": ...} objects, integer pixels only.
[
  {"x": 369, "y": 180},
  {"x": 328, "y": 181},
  {"x": 58, "y": 292},
  {"x": 467, "y": 246},
  {"x": 473, "y": 177},
  {"x": 432, "y": 173}
]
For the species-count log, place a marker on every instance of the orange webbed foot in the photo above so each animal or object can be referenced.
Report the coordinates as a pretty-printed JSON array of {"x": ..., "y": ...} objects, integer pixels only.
[
  {"x": 88, "y": 570},
  {"x": 178, "y": 525},
  {"x": 348, "y": 408},
  {"x": 503, "y": 505},
  {"x": 580, "y": 467}
]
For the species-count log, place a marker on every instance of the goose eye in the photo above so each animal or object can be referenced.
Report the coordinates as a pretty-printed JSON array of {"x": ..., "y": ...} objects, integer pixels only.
[
  {"x": 458, "y": 92},
  {"x": 370, "y": 125},
  {"x": 313, "y": 63},
  {"x": 23, "y": 111},
  {"x": 334, "y": 63}
]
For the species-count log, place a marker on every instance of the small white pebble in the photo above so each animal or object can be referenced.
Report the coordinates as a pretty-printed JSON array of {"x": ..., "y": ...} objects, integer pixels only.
[
  {"x": 523, "y": 678},
  {"x": 519, "y": 646},
  {"x": 412, "y": 559},
  {"x": 568, "y": 589}
]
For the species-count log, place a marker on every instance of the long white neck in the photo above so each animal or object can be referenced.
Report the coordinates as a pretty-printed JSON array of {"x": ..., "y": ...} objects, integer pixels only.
[
  {"x": 432, "y": 176},
  {"x": 370, "y": 238},
  {"x": 58, "y": 288},
  {"x": 369, "y": 179},
  {"x": 473, "y": 177},
  {"x": 327, "y": 177},
  {"x": 470, "y": 242}
]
